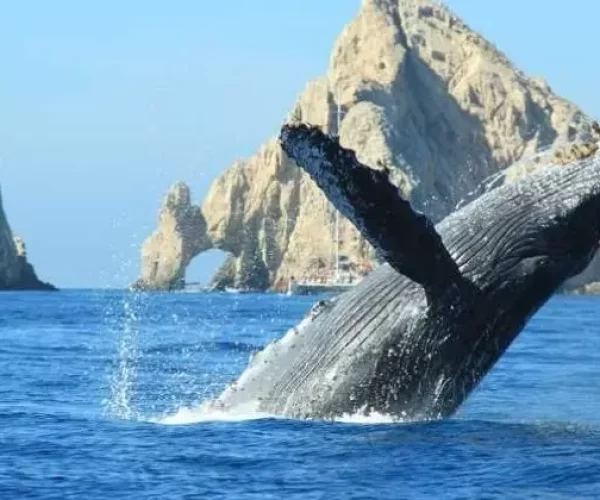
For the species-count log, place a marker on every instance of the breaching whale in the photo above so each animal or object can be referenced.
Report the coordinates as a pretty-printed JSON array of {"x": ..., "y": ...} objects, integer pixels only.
[{"x": 415, "y": 337}]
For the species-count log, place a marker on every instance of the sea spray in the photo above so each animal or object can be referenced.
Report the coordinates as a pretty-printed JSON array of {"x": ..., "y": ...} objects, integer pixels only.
[
  {"x": 125, "y": 320},
  {"x": 161, "y": 345}
]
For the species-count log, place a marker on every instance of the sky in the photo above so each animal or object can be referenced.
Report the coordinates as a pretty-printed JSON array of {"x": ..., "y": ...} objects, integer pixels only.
[{"x": 103, "y": 105}]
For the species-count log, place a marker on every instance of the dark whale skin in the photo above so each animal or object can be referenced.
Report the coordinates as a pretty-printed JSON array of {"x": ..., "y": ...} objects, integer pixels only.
[{"x": 416, "y": 348}]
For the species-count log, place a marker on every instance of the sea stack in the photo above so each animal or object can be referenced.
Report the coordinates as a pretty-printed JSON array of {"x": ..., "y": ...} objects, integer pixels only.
[{"x": 16, "y": 273}]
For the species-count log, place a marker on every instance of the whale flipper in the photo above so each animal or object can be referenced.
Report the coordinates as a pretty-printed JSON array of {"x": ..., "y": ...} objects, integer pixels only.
[{"x": 407, "y": 240}]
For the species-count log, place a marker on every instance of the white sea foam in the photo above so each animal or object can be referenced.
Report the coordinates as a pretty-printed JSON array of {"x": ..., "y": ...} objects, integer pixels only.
[
  {"x": 206, "y": 412},
  {"x": 371, "y": 419}
]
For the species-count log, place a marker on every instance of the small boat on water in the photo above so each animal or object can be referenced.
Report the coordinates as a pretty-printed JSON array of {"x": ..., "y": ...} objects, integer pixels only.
[
  {"x": 344, "y": 278},
  {"x": 240, "y": 290},
  {"x": 194, "y": 288},
  {"x": 316, "y": 288}
]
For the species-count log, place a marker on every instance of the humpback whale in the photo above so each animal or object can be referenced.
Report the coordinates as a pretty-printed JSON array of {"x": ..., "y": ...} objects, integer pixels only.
[{"x": 415, "y": 337}]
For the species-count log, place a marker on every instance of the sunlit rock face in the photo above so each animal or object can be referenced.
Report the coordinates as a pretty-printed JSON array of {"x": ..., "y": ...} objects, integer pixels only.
[
  {"x": 181, "y": 235},
  {"x": 411, "y": 88},
  {"x": 16, "y": 273}
]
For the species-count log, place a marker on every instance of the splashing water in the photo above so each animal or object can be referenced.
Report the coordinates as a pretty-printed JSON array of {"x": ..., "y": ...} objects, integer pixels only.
[
  {"x": 123, "y": 380},
  {"x": 161, "y": 359}
]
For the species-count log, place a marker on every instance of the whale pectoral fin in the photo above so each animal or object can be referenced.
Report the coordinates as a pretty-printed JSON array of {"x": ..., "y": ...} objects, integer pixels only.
[{"x": 407, "y": 240}]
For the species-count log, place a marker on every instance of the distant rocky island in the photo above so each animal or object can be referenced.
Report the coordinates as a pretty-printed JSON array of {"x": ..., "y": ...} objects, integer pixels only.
[
  {"x": 16, "y": 273},
  {"x": 412, "y": 89}
]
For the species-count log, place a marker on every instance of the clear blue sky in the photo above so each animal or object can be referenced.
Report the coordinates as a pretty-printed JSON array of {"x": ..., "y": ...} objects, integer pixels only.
[{"x": 104, "y": 104}]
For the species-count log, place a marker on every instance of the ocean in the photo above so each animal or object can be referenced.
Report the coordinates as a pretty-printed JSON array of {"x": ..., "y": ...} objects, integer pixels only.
[{"x": 100, "y": 395}]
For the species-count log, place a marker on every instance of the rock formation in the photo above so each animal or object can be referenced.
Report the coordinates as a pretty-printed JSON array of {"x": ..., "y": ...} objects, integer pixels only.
[
  {"x": 16, "y": 273},
  {"x": 411, "y": 89},
  {"x": 181, "y": 235}
]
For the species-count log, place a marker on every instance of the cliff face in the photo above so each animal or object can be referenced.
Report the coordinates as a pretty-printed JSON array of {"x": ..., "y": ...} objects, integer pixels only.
[
  {"x": 413, "y": 89},
  {"x": 16, "y": 273}
]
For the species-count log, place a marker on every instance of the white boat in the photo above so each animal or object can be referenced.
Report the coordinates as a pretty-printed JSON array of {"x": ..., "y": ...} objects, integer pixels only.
[
  {"x": 317, "y": 288},
  {"x": 194, "y": 288},
  {"x": 240, "y": 290}
]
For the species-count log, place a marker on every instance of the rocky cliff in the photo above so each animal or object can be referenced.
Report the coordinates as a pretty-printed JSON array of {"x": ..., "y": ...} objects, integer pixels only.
[
  {"x": 16, "y": 273},
  {"x": 411, "y": 88}
]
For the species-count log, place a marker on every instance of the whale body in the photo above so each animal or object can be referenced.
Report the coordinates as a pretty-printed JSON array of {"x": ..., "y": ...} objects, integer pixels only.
[{"x": 415, "y": 337}]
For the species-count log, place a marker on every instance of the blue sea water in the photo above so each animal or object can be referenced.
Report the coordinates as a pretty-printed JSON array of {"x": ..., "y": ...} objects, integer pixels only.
[{"x": 99, "y": 397}]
